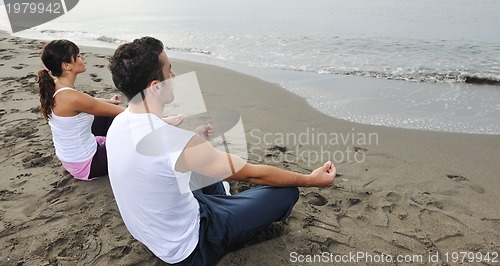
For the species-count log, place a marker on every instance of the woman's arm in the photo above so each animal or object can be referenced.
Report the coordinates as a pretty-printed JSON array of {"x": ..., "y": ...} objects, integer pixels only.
[
  {"x": 82, "y": 102},
  {"x": 116, "y": 99}
]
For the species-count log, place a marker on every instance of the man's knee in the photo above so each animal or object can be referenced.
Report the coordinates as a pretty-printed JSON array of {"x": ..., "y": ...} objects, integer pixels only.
[
  {"x": 295, "y": 192},
  {"x": 289, "y": 197},
  {"x": 291, "y": 193}
]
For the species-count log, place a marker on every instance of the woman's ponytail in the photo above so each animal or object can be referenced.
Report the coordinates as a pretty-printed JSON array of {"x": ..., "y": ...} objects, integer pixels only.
[{"x": 46, "y": 85}]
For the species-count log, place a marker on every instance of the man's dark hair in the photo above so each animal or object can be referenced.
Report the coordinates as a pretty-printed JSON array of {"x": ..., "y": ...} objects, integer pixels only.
[{"x": 134, "y": 65}]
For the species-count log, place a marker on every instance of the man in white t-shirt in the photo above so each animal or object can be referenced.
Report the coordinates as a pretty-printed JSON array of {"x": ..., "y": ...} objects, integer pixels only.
[{"x": 178, "y": 225}]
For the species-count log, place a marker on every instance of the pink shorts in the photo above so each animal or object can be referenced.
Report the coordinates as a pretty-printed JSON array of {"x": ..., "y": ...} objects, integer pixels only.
[{"x": 81, "y": 170}]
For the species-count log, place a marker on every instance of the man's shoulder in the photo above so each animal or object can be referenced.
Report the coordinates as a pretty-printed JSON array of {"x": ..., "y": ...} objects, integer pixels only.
[{"x": 118, "y": 126}]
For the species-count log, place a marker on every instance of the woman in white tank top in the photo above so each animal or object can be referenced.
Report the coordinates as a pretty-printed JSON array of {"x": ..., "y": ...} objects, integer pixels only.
[{"x": 78, "y": 121}]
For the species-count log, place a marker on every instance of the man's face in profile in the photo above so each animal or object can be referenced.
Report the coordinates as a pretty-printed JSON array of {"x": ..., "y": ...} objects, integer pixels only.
[{"x": 167, "y": 85}]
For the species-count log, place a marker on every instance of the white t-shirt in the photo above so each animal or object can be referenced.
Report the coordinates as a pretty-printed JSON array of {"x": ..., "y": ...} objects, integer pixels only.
[{"x": 154, "y": 200}]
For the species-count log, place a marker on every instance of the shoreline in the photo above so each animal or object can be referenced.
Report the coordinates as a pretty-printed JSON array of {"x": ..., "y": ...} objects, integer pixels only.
[
  {"x": 384, "y": 102},
  {"x": 414, "y": 191}
]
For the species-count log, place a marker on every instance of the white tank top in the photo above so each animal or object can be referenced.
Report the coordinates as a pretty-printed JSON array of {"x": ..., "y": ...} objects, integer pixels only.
[{"x": 72, "y": 136}]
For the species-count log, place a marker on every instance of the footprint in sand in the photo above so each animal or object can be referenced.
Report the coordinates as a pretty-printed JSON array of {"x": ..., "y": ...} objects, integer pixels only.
[
  {"x": 456, "y": 178},
  {"x": 353, "y": 201},
  {"x": 8, "y": 92},
  {"x": 275, "y": 151},
  {"x": 465, "y": 181},
  {"x": 24, "y": 130},
  {"x": 119, "y": 251},
  {"x": 393, "y": 197},
  {"x": 316, "y": 199},
  {"x": 67, "y": 248},
  {"x": 35, "y": 54},
  {"x": 61, "y": 183},
  {"x": 375, "y": 215},
  {"x": 426, "y": 200},
  {"x": 450, "y": 227},
  {"x": 35, "y": 110},
  {"x": 359, "y": 149},
  {"x": 36, "y": 160},
  {"x": 17, "y": 184},
  {"x": 19, "y": 66},
  {"x": 95, "y": 78},
  {"x": 8, "y": 195},
  {"x": 99, "y": 66},
  {"x": 55, "y": 196}
]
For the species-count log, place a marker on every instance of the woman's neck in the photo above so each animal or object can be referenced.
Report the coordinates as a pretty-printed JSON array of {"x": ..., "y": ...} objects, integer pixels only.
[{"x": 66, "y": 81}]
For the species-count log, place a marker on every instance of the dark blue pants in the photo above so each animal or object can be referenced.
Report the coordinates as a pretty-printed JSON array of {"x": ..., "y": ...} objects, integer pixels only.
[{"x": 229, "y": 220}]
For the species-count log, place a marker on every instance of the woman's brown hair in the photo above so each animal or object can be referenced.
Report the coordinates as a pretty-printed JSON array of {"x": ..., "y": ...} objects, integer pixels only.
[{"x": 53, "y": 55}]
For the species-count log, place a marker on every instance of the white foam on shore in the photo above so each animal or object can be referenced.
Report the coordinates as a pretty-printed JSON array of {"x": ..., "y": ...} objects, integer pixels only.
[{"x": 444, "y": 107}]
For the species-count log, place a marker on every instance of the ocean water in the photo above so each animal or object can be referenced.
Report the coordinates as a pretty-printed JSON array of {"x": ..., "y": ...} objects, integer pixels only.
[{"x": 431, "y": 65}]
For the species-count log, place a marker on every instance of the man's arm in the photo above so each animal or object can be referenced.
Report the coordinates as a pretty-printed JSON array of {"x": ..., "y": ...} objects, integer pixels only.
[
  {"x": 273, "y": 176},
  {"x": 201, "y": 157}
]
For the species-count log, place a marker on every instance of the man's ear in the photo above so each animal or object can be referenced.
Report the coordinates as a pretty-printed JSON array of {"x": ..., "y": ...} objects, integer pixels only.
[{"x": 154, "y": 86}]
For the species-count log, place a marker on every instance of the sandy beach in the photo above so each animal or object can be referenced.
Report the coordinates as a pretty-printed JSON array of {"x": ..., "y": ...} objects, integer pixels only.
[{"x": 400, "y": 193}]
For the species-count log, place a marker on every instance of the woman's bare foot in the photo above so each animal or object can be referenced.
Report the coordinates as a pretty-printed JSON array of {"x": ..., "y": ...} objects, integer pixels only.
[
  {"x": 204, "y": 131},
  {"x": 174, "y": 120},
  {"x": 116, "y": 99}
]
